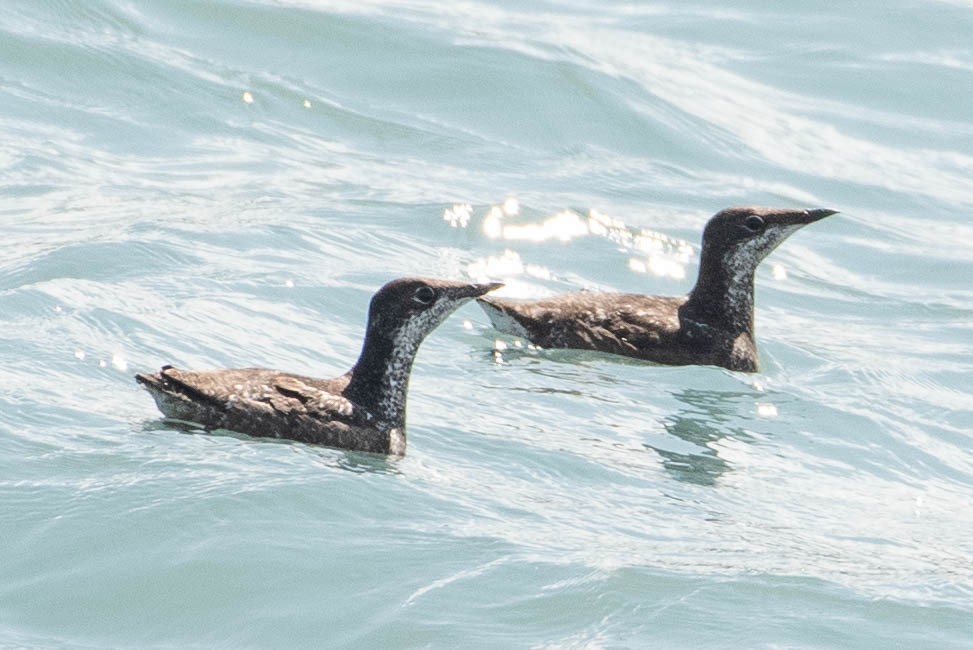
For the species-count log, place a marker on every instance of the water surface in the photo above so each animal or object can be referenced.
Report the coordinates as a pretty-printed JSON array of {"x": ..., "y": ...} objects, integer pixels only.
[{"x": 225, "y": 183}]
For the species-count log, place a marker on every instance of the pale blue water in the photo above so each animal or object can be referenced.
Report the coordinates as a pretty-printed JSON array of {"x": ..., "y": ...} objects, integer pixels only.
[{"x": 226, "y": 183}]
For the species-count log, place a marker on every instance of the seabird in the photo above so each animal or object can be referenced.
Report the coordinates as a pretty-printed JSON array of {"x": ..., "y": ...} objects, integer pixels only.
[
  {"x": 362, "y": 410},
  {"x": 712, "y": 325}
]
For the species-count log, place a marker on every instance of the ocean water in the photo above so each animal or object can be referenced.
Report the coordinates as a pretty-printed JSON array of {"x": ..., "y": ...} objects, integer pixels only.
[{"x": 219, "y": 183}]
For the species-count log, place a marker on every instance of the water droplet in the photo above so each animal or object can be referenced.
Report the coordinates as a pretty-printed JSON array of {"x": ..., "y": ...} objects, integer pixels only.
[
  {"x": 511, "y": 206},
  {"x": 766, "y": 410},
  {"x": 118, "y": 362}
]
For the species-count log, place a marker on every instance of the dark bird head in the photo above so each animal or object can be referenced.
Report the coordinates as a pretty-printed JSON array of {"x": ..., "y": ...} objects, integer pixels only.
[
  {"x": 740, "y": 238},
  {"x": 735, "y": 241},
  {"x": 402, "y": 313},
  {"x": 411, "y": 308}
]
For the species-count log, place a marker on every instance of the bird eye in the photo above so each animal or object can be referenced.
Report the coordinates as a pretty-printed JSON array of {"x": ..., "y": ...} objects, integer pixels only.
[
  {"x": 424, "y": 295},
  {"x": 753, "y": 223}
]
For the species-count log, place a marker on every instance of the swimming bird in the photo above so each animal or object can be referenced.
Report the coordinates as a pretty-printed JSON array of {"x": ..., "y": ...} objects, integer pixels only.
[
  {"x": 362, "y": 410},
  {"x": 712, "y": 325}
]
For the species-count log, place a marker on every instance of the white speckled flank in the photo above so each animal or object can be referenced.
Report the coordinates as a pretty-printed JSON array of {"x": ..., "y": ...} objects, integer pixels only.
[{"x": 396, "y": 441}]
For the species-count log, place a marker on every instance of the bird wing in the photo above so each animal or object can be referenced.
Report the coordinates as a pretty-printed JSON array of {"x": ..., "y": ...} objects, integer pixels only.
[
  {"x": 261, "y": 390},
  {"x": 628, "y": 324}
]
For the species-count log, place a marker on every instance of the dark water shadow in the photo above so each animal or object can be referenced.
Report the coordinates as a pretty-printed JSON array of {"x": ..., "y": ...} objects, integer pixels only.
[
  {"x": 358, "y": 462},
  {"x": 705, "y": 420}
]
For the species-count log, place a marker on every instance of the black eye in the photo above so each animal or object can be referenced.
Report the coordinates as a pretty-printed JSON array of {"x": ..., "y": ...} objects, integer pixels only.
[
  {"x": 753, "y": 223},
  {"x": 424, "y": 295}
]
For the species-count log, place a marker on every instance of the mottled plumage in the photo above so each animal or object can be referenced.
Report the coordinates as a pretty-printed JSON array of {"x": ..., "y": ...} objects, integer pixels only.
[
  {"x": 712, "y": 325},
  {"x": 363, "y": 410}
]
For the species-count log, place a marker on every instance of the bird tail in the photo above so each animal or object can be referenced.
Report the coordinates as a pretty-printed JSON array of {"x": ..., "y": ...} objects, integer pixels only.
[{"x": 502, "y": 318}]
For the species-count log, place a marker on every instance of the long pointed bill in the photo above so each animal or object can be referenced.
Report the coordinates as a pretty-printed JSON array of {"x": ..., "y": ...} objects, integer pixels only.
[
  {"x": 474, "y": 290},
  {"x": 810, "y": 216}
]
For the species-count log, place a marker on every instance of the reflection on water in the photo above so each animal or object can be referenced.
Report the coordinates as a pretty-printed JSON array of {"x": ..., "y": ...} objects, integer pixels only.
[
  {"x": 703, "y": 423},
  {"x": 699, "y": 469},
  {"x": 649, "y": 252},
  {"x": 705, "y": 418},
  {"x": 167, "y": 426},
  {"x": 362, "y": 462},
  {"x": 353, "y": 461},
  {"x": 509, "y": 266}
]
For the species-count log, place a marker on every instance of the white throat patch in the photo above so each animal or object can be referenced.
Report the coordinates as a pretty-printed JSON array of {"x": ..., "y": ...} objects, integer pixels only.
[
  {"x": 742, "y": 261},
  {"x": 405, "y": 344}
]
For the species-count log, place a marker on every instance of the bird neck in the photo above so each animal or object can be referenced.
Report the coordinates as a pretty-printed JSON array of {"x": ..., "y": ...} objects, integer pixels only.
[
  {"x": 380, "y": 378},
  {"x": 723, "y": 295}
]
